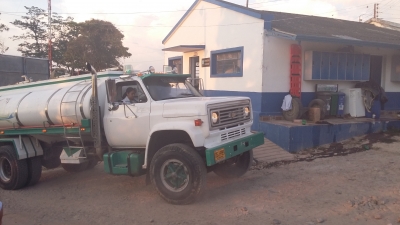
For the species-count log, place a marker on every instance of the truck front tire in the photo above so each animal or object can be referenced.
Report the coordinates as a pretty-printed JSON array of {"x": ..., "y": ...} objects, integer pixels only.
[
  {"x": 178, "y": 173},
  {"x": 13, "y": 172},
  {"x": 236, "y": 166}
]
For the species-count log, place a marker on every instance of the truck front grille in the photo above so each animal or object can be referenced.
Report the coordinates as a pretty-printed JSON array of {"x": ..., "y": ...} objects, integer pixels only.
[
  {"x": 232, "y": 134},
  {"x": 229, "y": 114}
]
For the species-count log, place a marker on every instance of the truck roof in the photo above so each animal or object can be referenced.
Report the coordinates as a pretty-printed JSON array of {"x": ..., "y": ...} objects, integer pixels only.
[{"x": 165, "y": 75}]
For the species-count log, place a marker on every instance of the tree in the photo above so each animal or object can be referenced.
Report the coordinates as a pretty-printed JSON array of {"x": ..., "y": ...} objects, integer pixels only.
[
  {"x": 98, "y": 42},
  {"x": 63, "y": 30},
  {"x": 36, "y": 31},
  {"x": 36, "y": 37},
  {"x": 3, "y": 48}
]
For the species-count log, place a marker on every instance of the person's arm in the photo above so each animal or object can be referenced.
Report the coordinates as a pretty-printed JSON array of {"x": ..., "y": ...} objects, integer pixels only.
[{"x": 126, "y": 100}]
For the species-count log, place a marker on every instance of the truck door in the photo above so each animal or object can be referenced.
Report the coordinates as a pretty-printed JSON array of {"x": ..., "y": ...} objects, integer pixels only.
[{"x": 127, "y": 125}]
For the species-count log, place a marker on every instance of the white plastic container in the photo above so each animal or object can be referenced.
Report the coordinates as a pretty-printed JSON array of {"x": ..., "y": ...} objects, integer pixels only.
[{"x": 353, "y": 103}]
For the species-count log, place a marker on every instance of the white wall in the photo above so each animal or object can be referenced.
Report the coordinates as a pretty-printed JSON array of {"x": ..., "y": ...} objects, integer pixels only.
[
  {"x": 220, "y": 28},
  {"x": 276, "y": 68},
  {"x": 276, "y": 64}
]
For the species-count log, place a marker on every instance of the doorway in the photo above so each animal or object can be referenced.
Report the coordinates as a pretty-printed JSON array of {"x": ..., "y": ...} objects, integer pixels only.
[
  {"x": 376, "y": 69},
  {"x": 194, "y": 71},
  {"x": 375, "y": 74}
]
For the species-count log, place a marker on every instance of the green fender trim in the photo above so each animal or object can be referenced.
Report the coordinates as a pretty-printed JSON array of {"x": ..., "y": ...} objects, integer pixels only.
[{"x": 234, "y": 148}]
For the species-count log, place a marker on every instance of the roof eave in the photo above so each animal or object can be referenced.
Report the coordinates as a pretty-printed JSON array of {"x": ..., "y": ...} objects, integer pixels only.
[
  {"x": 222, "y": 4},
  {"x": 345, "y": 41},
  {"x": 180, "y": 21}
]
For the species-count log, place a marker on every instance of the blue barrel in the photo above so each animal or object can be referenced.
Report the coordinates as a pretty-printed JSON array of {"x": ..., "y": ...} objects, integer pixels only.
[{"x": 341, "y": 99}]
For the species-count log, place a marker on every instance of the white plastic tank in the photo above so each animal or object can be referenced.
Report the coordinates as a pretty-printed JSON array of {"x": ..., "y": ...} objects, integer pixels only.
[{"x": 45, "y": 103}]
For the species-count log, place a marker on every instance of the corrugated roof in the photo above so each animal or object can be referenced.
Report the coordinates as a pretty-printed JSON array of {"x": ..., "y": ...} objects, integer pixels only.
[
  {"x": 315, "y": 28},
  {"x": 332, "y": 28}
]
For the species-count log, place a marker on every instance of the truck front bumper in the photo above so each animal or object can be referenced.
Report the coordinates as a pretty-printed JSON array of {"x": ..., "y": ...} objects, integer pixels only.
[{"x": 228, "y": 150}]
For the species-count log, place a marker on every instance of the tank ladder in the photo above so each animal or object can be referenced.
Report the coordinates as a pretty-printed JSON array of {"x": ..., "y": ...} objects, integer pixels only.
[{"x": 76, "y": 89}]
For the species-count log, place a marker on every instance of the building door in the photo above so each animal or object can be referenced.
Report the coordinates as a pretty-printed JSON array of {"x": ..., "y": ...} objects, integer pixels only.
[
  {"x": 194, "y": 71},
  {"x": 376, "y": 69},
  {"x": 376, "y": 72}
]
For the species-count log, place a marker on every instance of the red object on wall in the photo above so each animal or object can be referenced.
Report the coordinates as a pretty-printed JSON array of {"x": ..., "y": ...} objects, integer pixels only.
[{"x": 295, "y": 70}]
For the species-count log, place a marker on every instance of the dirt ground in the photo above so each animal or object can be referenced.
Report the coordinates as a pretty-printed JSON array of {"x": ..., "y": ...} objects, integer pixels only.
[{"x": 326, "y": 185}]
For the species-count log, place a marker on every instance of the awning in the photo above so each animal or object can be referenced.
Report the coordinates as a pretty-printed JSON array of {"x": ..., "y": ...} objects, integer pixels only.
[{"x": 185, "y": 48}]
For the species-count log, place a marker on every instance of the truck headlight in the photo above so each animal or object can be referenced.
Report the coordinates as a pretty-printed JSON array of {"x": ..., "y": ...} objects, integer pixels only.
[
  {"x": 246, "y": 111},
  {"x": 214, "y": 117}
]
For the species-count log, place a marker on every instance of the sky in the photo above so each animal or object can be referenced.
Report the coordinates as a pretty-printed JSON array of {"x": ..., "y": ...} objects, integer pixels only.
[{"x": 145, "y": 23}]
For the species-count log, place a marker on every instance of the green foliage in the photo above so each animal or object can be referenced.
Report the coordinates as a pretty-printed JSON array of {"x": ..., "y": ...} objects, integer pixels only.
[
  {"x": 95, "y": 41},
  {"x": 2, "y": 47},
  {"x": 34, "y": 39},
  {"x": 99, "y": 42},
  {"x": 3, "y": 27}
]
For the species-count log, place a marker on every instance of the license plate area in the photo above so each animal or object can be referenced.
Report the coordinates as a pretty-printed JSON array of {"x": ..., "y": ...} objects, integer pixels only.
[{"x": 219, "y": 155}]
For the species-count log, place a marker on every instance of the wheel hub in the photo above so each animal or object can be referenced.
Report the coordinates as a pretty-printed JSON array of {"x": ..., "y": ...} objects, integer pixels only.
[
  {"x": 174, "y": 175},
  {"x": 5, "y": 169}
]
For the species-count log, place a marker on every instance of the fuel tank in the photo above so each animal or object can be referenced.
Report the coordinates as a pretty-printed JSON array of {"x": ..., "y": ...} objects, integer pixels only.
[{"x": 53, "y": 102}]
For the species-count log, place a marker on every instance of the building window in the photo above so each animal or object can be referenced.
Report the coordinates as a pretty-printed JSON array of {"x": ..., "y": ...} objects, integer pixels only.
[
  {"x": 176, "y": 62},
  {"x": 227, "y": 62}
]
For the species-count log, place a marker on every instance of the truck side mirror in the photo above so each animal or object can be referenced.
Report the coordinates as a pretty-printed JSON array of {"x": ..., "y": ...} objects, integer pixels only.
[
  {"x": 113, "y": 106},
  {"x": 111, "y": 91}
]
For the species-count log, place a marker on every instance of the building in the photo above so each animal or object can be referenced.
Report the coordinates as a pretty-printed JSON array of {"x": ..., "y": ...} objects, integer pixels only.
[
  {"x": 240, "y": 51},
  {"x": 13, "y": 67}
]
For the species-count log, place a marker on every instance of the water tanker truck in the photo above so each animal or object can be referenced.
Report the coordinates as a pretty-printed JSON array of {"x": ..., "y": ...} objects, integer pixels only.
[{"x": 168, "y": 131}]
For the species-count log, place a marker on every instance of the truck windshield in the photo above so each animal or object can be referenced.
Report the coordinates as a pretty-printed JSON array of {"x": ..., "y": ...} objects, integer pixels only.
[{"x": 170, "y": 88}]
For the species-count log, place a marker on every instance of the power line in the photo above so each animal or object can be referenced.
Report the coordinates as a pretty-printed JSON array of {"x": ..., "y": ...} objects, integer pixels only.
[
  {"x": 387, "y": 3},
  {"x": 169, "y": 26},
  {"x": 167, "y": 11}
]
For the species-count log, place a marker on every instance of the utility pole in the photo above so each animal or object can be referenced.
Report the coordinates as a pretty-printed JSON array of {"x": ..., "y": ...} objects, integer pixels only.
[
  {"x": 49, "y": 29},
  {"x": 247, "y": 4},
  {"x": 376, "y": 7}
]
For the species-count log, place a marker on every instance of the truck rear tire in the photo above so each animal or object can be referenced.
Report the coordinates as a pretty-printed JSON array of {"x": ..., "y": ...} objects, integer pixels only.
[
  {"x": 236, "y": 166},
  {"x": 54, "y": 160},
  {"x": 92, "y": 163},
  {"x": 13, "y": 172},
  {"x": 34, "y": 170},
  {"x": 178, "y": 173},
  {"x": 75, "y": 168}
]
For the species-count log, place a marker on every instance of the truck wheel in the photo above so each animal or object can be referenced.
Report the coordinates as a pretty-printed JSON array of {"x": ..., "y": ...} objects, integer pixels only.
[
  {"x": 34, "y": 170},
  {"x": 13, "y": 172},
  {"x": 54, "y": 161},
  {"x": 75, "y": 168},
  {"x": 236, "y": 166},
  {"x": 178, "y": 173},
  {"x": 51, "y": 163},
  {"x": 92, "y": 163}
]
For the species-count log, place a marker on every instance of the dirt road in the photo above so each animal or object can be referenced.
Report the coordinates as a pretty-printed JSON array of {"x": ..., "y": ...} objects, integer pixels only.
[{"x": 361, "y": 188}]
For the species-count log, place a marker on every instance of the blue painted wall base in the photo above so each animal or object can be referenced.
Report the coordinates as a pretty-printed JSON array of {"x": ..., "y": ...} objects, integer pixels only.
[
  {"x": 269, "y": 103},
  {"x": 297, "y": 138}
]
